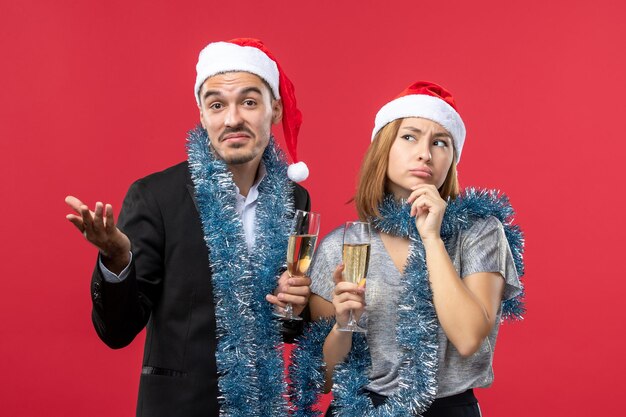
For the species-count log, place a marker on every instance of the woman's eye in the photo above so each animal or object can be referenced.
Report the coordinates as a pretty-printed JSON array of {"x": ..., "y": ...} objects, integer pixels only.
[
  {"x": 440, "y": 142},
  {"x": 408, "y": 137}
]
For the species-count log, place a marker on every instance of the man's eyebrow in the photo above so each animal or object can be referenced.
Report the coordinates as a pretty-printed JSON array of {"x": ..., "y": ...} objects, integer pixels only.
[
  {"x": 243, "y": 92},
  {"x": 209, "y": 93},
  {"x": 250, "y": 90}
]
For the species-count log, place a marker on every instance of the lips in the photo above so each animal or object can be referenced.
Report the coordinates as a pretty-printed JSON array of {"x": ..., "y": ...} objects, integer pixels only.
[
  {"x": 421, "y": 172},
  {"x": 235, "y": 137}
]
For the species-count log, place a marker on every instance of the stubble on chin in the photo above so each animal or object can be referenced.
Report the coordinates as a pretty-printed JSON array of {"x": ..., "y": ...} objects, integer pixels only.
[
  {"x": 235, "y": 154},
  {"x": 238, "y": 159}
]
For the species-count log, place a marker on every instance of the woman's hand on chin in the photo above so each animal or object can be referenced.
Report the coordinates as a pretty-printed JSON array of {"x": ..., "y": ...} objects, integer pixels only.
[{"x": 428, "y": 208}]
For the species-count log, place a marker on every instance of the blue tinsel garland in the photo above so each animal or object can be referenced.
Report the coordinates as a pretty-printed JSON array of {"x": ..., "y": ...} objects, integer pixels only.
[
  {"x": 249, "y": 351},
  {"x": 417, "y": 322}
]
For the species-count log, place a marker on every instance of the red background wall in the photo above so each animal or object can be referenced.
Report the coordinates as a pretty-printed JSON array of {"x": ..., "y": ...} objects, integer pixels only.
[{"x": 95, "y": 94}]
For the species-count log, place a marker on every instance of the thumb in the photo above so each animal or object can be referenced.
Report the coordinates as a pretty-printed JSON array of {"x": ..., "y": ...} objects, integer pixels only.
[{"x": 337, "y": 275}]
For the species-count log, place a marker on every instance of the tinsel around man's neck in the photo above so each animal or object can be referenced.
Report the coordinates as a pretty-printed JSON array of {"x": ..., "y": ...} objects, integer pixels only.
[{"x": 248, "y": 355}]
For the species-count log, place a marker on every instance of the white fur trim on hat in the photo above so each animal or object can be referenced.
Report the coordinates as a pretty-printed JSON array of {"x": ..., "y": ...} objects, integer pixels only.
[
  {"x": 298, "y": 172},
  {"x": 427, "y": 107},
  {"x": 220, "y": 57}
]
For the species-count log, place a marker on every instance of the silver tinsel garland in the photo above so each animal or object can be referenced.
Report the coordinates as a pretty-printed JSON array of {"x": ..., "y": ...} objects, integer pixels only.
[{"x": 249, "y": 350}]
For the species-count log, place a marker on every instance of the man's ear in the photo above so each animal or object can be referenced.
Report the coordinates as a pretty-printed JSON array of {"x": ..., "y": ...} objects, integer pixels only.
[
  {"x": 277, "y": 111},
  {"x": 200, "y": 114}
]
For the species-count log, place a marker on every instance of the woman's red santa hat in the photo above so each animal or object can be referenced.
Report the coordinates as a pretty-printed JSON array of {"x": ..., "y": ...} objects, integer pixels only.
[
  {"x": 251, "y": 55},
  {"x": 429, "y": 101}
]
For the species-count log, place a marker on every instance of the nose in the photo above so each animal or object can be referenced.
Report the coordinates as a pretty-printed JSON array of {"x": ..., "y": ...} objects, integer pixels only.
[
  {"x": 233, "y": 118},
  {"x": 423, "y": 151}
]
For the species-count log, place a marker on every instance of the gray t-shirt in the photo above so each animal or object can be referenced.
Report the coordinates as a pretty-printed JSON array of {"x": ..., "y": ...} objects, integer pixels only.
[{"x": 481, "y": 248}]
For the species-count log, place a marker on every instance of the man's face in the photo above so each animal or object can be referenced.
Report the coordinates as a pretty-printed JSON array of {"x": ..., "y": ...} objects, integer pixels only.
[{"x": 237, "y": 110}]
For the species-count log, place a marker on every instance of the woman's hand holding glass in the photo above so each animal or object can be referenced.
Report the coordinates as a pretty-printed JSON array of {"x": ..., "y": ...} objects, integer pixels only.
[
  {"x": 356, "y": 257},
  {"x": 347, "y": 297}
]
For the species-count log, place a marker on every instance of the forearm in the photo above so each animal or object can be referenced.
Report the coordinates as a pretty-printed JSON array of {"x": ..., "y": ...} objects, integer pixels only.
[
  {"x": 464, "y": 319},
  {"x": 118, "y": 311},
  {"x": 336, "y": 348},
  {"x": 121, "y": 310}
]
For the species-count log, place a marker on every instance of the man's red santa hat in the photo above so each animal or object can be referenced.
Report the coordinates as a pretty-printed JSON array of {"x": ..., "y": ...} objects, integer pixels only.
[
  {"x": 251, "y": 55},
  {"x": 429, "y": 101}
]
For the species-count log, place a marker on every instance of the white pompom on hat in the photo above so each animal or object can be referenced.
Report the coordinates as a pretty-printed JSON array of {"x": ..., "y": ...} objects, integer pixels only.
[
  {"x": 251, "y": 55},
  {"x": 430, "y": 101}
]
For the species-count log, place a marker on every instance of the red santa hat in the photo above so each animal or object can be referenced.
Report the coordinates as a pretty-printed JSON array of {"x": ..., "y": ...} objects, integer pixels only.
[
  {"x": 251, "y": 55},
  {"x": 427, "y": 100}
]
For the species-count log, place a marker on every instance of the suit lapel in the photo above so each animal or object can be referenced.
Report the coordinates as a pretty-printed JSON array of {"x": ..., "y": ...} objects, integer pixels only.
[{"x": 192, "y": 193}]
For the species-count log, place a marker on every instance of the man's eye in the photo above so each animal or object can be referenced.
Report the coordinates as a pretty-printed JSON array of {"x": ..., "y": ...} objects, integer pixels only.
[
  {"x": 249, "y": 102},
  {"x": 216, "y": 106}
]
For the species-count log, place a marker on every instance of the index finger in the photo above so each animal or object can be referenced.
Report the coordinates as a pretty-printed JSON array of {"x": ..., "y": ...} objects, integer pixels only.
[
  {"x": 299, "y": 281},
  {"x": 73, "y": 202},
  {"x": 422, "y": 189}
]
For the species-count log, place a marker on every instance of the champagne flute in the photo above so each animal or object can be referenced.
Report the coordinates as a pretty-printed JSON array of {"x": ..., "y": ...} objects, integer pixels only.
[
  {"x": 356, "y": 258},
  {"x": 300, "y": 249}
]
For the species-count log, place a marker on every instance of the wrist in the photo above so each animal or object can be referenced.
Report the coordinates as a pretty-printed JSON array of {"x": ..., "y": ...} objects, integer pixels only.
[
  {"x": 432, "y": 241},
  {"x": 339, "y": 334},
  {"x": 115, "y": 262}
]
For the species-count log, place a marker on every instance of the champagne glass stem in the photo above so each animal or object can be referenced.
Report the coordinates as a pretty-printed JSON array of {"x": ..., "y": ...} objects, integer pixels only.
[
  {"x": 351, "y": 320},
  {"x": 288, "y": 312}
]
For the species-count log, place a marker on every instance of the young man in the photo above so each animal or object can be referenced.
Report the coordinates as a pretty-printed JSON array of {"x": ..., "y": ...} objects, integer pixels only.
[{"x": 199, "y": 248}]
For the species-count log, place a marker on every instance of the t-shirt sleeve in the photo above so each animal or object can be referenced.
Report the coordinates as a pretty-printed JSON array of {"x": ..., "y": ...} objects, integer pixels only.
[
  {"x": 485, "y": 249},
  {"x": 326, "y": 259}
]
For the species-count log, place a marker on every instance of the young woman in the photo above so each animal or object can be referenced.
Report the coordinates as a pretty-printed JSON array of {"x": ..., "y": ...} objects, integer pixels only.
[{"x": 444, "y": 269}]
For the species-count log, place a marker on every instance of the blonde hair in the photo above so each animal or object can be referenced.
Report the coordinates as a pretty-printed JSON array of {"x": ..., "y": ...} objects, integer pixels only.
[{"x": 372, "y": 182}]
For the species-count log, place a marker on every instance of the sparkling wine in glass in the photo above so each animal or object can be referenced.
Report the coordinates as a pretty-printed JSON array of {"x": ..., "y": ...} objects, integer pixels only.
[
  {"x": 300, "y": 249},
  {"x": 356, "y": 258},
  {"x": 299, "y": 253}
]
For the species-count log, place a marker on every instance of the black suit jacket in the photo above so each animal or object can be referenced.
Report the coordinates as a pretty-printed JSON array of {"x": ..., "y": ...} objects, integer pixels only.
[{"x": 169, "y": 291}]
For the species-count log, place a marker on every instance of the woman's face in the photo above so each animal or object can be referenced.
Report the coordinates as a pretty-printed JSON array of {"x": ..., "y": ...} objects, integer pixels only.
[{"x": 421, "y": 153}]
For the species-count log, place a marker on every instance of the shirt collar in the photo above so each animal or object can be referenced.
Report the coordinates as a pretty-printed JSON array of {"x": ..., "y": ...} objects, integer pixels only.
[{"x": 253, "y": 193}]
